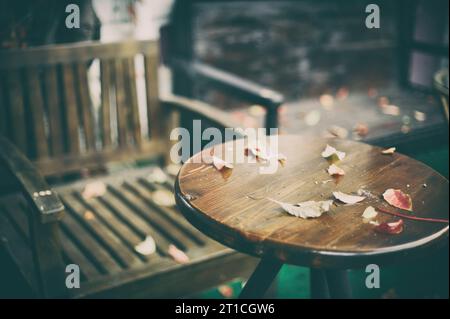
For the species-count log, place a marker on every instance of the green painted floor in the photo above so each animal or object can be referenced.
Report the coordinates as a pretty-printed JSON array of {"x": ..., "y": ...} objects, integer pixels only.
[{"x": 427, "y": 278}]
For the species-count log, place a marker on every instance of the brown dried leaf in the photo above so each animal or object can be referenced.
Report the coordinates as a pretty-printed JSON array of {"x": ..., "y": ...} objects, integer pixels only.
[
  {"x": 335, "y": 170},
  {"x": 348, "y": 199},
  {"x": 220, "y": 164},
  {"x": 393, "y": 228},
  {"x": 331, "y": 151},
  {"x": 397, "y": 198},
  {"x": 309, "y": 209}
]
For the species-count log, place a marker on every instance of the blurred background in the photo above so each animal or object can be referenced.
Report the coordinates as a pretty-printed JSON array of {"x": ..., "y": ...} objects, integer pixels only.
[{"x": 339, "y": 78}]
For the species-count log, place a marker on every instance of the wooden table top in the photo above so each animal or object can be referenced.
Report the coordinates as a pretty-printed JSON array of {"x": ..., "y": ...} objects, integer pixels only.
[{"x": 234, "y": 208}]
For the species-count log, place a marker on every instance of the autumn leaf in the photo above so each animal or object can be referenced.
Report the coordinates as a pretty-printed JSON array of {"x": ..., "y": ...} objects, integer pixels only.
[
  {"x": 331, "y": 151},
  {"x": 397, "y": 198},
  {"x": 348, "y": 199},
  {"x": 389, "y": 151},
  {"x": 177, "y": 254},
  {"x": 220, "y": 164},
  {"x": 369, "y": 213},
  {"x": 146, "y": 247},
  {"x": 392, "y": 228},
  {"x": 94, "y": 189},
  {"x": 334, "y": 170},
  {"x": 308, "y": 209}
]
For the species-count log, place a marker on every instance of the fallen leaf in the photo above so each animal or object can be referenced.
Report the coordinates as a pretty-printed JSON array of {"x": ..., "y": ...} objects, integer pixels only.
[
  {"x": 338, "y": 131},
  {"x": 389, "y": 151},
  {"x": 361, "y": 129},
  {"x": 334, "y": 170},
  {"x": 146, "y": 247},
  {"x": 226, "y": 291},
  {"x": 157, "y": 175},
  {"x": 369, "y": 213},
  {"x": 397, "y": 198},
  {"x": 308, "y": 209},
  {"x": 88, "y": 215},
  {"x": 220, "y": 164},
  {"x": 420, "y": 116},
  {"x": 94, "y": 189},
  {"x": 348, "y": 199},
  {"x": 393, "y": 110},
  {"x": 163, "y": 197},
  {"x": 392, "y": 228},
  {"x": 261, "y": 154},
  {"x": 331, "y": 151},
  {"x": 178, "y": 255}
]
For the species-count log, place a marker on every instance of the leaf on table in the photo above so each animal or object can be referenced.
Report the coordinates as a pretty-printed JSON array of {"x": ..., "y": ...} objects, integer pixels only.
[
  {"x": 397, "y": 198},
  {"x": 348, "y": 199},
  {"x": 94, "y": 189},
  {"x": 220, "y": 164},
  {"x": 146, "y": 247},
  {"x": 369, "y": 213},
  {"x": 335, "y": 170},
  {"x": 389, "y": 151},
  {"x": 163, "y": 197},
  {"x": 331, "y": 152},
  {"x": 265, "y": 155},
  {"x": 177, "y": 254},
  {"x": 308, "y": 209},
  {"x": 392, "y": 228}
]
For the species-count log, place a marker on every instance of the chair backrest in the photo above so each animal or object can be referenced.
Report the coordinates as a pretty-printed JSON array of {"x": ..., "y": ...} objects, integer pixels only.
[{"x": 48, "y": 108}]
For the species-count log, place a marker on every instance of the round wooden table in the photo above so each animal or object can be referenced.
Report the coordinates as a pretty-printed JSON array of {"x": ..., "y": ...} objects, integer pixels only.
[{"x": 232, "y": 206}]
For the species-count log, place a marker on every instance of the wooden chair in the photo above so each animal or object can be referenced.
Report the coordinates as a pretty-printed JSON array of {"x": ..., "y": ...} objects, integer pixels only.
[{"x": 52, "y": 133}]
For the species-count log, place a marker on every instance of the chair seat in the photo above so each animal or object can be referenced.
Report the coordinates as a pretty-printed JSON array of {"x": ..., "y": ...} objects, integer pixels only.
[{"x": 100, "y": 235}]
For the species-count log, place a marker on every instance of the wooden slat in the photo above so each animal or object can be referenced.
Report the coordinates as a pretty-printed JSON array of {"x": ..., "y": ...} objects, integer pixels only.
[
  {"x": 120, "y": 228},
  {"x": 54, "y": 110},
  {"x": 17, "y": 110},
  {"x": 169, "y": 213},
  {"x": 130, "y": 81},
  {"x": 90, "y": 246},
  {"x": 70, "y": 53},
  {"x": 36, "y": 108},
  {"x": 105, "y": 80},
  {"x": 71, "y": 120},
  {"x": 122, "y": 113},
  {"x": 152, "y": 93},
  {"x": 76, "y": 256},
  {"x": 135, "y": 221},
  {"x": 163, "y": 226},
  {"x": 84, "y": 98},
  {"x": 110, "y": 241}
]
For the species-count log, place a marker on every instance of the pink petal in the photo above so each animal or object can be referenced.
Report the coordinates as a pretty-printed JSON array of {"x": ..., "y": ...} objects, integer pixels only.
[
  {"x": 348, "y": 199},
  {"x": 397, "y": 198},
  {"x": 390, "y": 228}
]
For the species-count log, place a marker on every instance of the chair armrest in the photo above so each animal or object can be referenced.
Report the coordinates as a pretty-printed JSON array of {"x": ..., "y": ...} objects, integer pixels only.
[
  {"x": 237, "y": 86},
  {"x": 217, "y": 117},
  {"x": 42, "y": 199}
]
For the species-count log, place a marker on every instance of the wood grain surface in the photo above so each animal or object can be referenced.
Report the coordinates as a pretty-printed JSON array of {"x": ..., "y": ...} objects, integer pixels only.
[{"x": 234, "y": 209}]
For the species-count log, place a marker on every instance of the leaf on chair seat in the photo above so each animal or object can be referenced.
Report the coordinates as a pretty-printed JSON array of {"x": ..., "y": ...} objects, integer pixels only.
[
  {"x": 177, "y": 254},
  {"x": 94, "y": 189},
  {"x": 146, "y": 247},
  {"x": 330, "y": 152},
  {"x": 163, "y": 197},
  {"x": 392, "y": 228},
  {"x": 397, "y": 198},
  {"x": 334, "y": 170},
  {"x": 348, "y": 199},
  {"x": 308, "y": 209}
]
